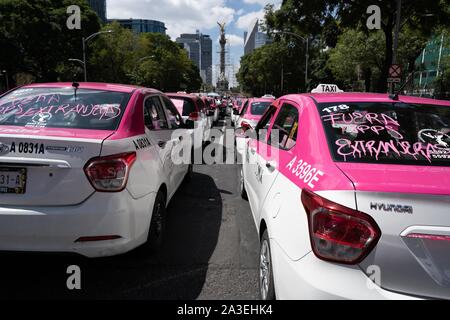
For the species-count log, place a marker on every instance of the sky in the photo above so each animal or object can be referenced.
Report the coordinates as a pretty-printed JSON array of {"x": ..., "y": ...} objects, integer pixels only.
[{"x": 187, "y": 16}]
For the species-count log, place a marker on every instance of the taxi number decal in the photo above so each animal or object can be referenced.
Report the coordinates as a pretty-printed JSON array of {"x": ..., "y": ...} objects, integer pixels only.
[
  {"x": 141, "y": 143},
  {"x": 27, "y": 147},
  {"x": 304, "y": 171},
  {"x": 336, "y": 108}
]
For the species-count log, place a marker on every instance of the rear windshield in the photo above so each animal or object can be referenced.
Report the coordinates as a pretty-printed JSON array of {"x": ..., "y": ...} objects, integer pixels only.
[
  {"x": 258, "y": 108},
  {"x": 388, "y": 133},
  {"x": 184, "y": 106},
  {"x": 62, "y": 108}
]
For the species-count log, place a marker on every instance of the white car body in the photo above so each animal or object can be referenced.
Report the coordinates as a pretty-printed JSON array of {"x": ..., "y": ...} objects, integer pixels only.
[
  {"x": 406, "y": 257},
  {"x": 60, "y": 210}
]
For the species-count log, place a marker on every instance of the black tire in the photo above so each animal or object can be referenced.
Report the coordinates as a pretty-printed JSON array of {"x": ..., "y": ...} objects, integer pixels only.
[
  {"x": 266, "y": 285},
  {"x": 241, "y": 185},
  {"x": 157, "y": 228},
  {"x": 189, "y": 173}
]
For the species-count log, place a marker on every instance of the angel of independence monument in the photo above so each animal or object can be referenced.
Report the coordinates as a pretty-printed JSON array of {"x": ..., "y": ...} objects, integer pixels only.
[{"x": 222, "y": 82}]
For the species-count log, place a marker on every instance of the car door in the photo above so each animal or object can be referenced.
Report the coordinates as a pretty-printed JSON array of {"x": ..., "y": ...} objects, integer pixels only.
[
  {"x": 180, "y": 141},
  {"x": 159, "y": 131},
  {"x": 252, "y": 167},
  {"x": 281, "y": 139}
]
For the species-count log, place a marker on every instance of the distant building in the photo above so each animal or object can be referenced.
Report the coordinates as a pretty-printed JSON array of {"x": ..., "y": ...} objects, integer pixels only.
[
  {"x": 142, "y": 25},
  {"x": 199, "y": 48},
  {"x": 428, "y": 64},
  {"x": 255, "y": 38},
  {"x": 99, "y": 6}
]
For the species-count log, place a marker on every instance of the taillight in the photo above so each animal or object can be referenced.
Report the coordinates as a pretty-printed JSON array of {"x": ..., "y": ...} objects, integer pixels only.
[
  {"x": 245, "y": 125},
  {"x": 110, "y": 173},
  {"x": 194, "y": 116},
  {"x": 338, "y": 233}
]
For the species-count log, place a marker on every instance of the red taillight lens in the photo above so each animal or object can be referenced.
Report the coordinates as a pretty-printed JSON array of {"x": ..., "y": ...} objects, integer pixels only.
[
  {"x": 338, "y": 233},
  {"x": 194, "y": 116},
  {"x": 110, "y": 173},
  {"x": 245, "y": 125}
]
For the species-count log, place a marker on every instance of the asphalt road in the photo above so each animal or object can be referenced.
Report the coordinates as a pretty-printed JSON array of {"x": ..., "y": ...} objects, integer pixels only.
[{"x": 211, "y": 252}]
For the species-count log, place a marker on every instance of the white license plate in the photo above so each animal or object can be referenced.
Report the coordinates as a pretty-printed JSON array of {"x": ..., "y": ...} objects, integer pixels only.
[{"x": 13, "y": 180}]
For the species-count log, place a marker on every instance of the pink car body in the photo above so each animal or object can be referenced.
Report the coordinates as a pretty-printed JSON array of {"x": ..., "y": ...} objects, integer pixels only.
[
  {"x": 348, "y": 162},
  {"x": 248, "y": 116}
]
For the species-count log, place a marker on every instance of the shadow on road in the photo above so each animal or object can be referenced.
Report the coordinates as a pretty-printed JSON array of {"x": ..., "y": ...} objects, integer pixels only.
[{"x": 177, "y": 272}]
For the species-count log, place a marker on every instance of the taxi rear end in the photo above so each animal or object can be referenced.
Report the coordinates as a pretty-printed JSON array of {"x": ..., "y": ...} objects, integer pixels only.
[
  {"x": 253, "y": 111},
  {"x": 57, "y": 193},
  {"x": 388, "y": 235}
]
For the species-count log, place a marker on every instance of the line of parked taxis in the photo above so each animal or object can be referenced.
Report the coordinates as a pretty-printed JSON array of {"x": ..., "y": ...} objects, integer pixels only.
[{"x": 350, "y": 192}]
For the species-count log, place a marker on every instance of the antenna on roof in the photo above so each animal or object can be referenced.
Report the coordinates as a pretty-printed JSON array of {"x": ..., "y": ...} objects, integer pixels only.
[{"x": 394, "y": 96}]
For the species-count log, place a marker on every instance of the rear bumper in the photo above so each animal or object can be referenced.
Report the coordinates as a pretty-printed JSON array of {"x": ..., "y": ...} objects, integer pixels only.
[
  {"x": 313, "y": 279},
  {"x": 56, "y": 229}
]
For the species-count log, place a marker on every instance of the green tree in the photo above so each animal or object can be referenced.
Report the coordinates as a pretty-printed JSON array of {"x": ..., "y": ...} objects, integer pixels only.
[
  {"x": 35, "y": 39},
  {"x": 326, "y": 19},
  {"x": 422, "y": 16}
]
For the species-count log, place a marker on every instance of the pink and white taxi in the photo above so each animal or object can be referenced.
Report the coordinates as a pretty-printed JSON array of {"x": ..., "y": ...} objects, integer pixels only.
[
  {"x": 87, "y": 168},
  {"x": 252, "y": 111},
  {"x": 350, "y": 194}
]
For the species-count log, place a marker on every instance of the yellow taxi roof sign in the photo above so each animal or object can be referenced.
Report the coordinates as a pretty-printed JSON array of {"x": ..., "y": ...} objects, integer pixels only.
[{"x": 326, "y": 88}]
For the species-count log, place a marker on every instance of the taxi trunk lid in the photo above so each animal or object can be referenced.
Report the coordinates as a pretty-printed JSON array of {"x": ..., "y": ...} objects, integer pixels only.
[
  {"x": 411, "y": 207},
  {"x": 40, "y": 168}
]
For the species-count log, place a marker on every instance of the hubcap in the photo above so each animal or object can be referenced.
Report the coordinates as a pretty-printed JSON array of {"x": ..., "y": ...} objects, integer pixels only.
[{"x": 264, "y": 270}]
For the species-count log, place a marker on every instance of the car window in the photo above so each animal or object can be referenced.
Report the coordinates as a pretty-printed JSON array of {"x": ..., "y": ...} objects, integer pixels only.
[
  {"x": 184, "y": 106},
  {"x": 154, "y": 117},
  {"x": 259, "y": 107},
  {"x": 244, "y": 108},
  {"x": 173, "y": 116},
  {"x": 63, "y": 108},
  {"x": 283, "y": 134},
  {"x": 264, "y": 123},
  {"x": 388, "y": 133}
]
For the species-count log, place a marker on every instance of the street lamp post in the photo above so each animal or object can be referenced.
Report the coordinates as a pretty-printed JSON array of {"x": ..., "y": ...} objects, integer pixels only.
[
  {"x": 306, "y": 40},
  {"x": 6, "y": 79},
  {"x": 84, "y": 41}
]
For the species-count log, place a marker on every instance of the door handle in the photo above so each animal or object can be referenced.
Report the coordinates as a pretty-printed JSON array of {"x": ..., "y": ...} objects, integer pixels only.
[
  {"x": 161, "y": 144},
  {"x": 270, "y": 165}
]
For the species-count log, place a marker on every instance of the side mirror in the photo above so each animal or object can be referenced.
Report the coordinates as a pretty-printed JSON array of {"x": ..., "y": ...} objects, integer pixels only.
[{"x": 240, "y": 133}]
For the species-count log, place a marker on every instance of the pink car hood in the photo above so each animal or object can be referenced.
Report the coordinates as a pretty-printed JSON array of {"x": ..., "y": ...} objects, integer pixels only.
[{"x": 398, "y": 178}]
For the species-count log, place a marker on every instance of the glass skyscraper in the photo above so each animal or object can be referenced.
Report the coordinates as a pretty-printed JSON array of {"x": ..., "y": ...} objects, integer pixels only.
[{"x": 99, "y": 6}]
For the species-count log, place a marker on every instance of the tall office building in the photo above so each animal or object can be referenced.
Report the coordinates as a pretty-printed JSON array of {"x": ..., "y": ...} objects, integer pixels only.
[
  {"x": 99, "y": 6},
  {"x": 142, "y": 25},
  {"x": 199, "y": 48},
  {"x": 255, "y": 38},
  {"x": 429, "y": 64}
]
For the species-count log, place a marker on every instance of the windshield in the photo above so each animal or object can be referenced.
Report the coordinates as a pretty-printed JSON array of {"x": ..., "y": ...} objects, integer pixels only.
[
  {"x": 387, "y": 133},
  {"x": 61, "y": 108},
  {"x": 258, "y": 108}
]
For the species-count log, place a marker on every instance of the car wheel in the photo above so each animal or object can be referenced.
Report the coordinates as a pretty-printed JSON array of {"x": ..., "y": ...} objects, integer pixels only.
[
  {"x": 242, "y": 190},
  {"x": 157, "y": 224},
  {"x": 266, "y": 285}
]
